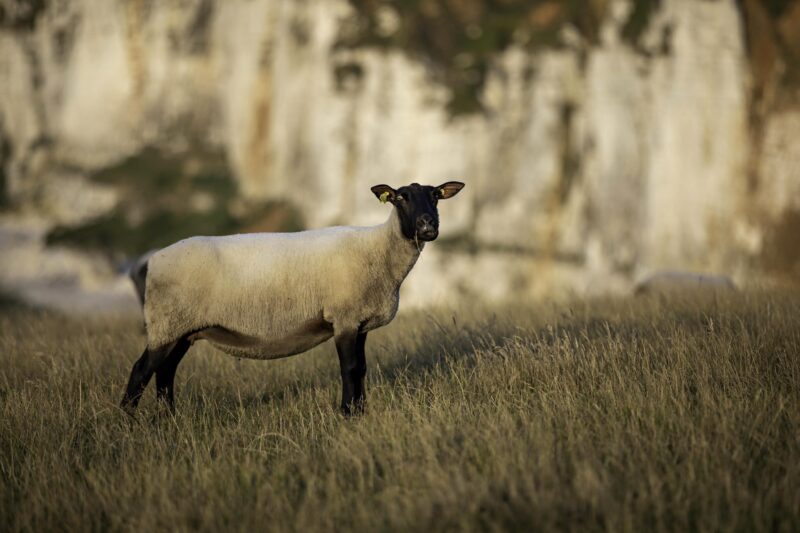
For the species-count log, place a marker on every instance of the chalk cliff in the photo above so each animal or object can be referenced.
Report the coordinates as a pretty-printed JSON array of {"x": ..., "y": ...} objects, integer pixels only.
[{"x": 589, "y": 164}]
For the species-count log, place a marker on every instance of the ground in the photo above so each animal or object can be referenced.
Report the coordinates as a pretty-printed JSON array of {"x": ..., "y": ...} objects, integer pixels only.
[{"x": 612, "y": 414}]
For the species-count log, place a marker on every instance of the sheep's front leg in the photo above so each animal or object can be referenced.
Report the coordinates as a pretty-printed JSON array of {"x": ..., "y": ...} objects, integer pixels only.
[
  {"x": 360, "y": 372},
  {"x": 353, "y": 364}
]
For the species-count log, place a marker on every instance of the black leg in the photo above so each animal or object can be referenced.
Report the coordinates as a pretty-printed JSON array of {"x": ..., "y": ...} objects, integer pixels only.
[
  {"x": 353, "y": 367},
  {"x": 165, "y": 374},
  {"x": 360, "y": 372},
  {"x": 140, "y": 376}
]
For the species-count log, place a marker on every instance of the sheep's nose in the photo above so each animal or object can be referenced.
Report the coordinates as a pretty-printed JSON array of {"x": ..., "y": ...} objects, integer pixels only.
[{"x": 426, "y": 227}]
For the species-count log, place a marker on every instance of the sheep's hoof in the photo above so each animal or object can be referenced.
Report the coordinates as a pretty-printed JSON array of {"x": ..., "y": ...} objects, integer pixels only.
[
  {"x": 352, "y": 409},
  {"x": 128, "y": 408}
]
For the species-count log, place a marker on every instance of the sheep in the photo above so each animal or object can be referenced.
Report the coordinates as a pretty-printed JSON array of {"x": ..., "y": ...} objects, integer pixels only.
[
  {"x": 670, "y": 282},
  {"x": 273, "y": 295}
]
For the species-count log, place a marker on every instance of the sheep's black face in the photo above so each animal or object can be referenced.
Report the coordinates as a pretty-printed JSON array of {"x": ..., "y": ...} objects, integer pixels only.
[
  {"x": 419, "y": 216},
  {"x": 416, "y": 206}
]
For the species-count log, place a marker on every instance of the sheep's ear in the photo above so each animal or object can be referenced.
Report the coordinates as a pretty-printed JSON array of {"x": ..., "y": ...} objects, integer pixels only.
[
  {"x": 449, "y": 189},
  {"x": 384, "y": 193}
]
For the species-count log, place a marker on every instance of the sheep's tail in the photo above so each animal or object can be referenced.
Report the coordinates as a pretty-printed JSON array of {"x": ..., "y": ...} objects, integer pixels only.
[{"x": 138, "y": 275}]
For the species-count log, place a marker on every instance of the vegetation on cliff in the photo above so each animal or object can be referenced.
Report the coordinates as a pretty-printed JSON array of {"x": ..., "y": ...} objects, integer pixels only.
[
  {"x": 459, "y": 39},
  {"x": 165, "y": 198}
]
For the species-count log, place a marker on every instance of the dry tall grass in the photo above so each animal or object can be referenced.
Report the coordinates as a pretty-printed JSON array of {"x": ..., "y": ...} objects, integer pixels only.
[{"x": 620, "y": 415}]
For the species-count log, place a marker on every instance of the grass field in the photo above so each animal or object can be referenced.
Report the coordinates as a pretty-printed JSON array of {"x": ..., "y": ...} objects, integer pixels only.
[{"x": 631, "y": 415}]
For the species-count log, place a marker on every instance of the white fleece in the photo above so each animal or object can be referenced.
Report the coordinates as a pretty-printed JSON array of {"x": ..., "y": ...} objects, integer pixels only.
[{"x": 268, "y": 295}]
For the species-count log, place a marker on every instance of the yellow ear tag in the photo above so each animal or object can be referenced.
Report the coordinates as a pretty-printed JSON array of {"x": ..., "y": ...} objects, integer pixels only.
[
  {"x": 384, "y": 197},
  {"x": 441, "y": 193}
]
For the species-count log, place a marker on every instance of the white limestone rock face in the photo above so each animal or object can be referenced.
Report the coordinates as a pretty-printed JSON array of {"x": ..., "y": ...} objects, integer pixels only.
[
  {"x": 666, "y": 141},
  {"x": 591, "y": 166},
  {"x": 57, "y": 277},
  {"x": 20, "y": 120},
  {"x": 697, "y": 138},
  {"x": 69, "y": 198},
  {"x": 779, "y": 187},
  {"x": 524, "y": 190}
]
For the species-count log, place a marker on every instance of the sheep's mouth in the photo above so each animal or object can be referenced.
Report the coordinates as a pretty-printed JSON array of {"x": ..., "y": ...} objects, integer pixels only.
[{"x": 427, "y": 236}]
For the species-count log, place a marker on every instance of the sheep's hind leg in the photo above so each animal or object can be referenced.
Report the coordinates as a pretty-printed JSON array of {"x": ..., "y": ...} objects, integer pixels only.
[
  {"x": 141, "y": 373},
  {"x": 353, "y": 365},
  {"x": 165, "y": 374}
]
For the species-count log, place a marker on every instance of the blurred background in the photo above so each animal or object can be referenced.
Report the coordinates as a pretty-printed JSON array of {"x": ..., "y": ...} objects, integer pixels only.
[{"x": 600, "y": 140}]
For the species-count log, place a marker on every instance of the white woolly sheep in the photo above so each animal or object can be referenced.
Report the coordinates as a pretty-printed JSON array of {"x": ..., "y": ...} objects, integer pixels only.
[{"x": 272, "y": 295}]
